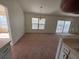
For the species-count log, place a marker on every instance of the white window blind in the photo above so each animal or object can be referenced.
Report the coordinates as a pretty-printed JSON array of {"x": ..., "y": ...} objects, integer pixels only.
[
  {"x": 34, "y": 23},
  {"x": 3, "y": 24},
  {"x": 38, "y": 23},
  {"x": 42, "y": 23},
  {"x": 63, "y": 26}
]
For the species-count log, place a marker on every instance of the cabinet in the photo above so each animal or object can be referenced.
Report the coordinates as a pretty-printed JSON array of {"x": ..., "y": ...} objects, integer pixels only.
[
  {"x": 5, "y": 52},
  {"x": 65, "y": 52},
  {"x": 7, "y": 56},
  {"x": 68, "y": 53},
  {"x": 74, "y": 54}
]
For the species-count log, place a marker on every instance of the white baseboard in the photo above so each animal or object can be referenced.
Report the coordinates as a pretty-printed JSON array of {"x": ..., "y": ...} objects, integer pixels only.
[{"x": 15, "y": 41}]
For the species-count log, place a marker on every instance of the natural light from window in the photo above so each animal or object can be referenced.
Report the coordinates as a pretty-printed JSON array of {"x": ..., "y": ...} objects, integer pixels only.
[
  {"x": 63, "y": 26},
  {"x": 38, "y": 23}
]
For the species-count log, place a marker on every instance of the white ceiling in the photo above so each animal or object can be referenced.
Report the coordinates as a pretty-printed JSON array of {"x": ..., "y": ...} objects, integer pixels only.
[{"x": 33, "y": 6}]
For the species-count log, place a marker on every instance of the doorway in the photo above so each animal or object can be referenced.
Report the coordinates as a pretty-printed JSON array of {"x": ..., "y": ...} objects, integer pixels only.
[{"x": 4, "y": 23}]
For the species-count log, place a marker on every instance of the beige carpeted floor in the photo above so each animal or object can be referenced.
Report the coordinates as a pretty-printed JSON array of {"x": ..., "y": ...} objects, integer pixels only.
[{"x": 36, "y": 46}]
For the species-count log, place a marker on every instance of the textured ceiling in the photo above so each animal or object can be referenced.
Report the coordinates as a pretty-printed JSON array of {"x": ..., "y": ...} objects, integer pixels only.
[{"x": 33, "y": 6}]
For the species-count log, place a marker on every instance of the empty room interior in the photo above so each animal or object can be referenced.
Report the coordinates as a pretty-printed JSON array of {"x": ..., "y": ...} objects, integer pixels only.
[{"x": 39, "y": 29}]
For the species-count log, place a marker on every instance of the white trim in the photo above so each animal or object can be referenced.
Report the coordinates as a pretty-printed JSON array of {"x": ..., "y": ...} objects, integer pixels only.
[{"x": 58, "y": 49}]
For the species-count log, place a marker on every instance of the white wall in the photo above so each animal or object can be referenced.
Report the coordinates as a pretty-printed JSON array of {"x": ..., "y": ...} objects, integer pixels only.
[
  {"x": 51, "y": 23},
  {"x": 16, "y": 18},
  {"x": 75, "y": 26},
  {"x": 49, "y": 28}
]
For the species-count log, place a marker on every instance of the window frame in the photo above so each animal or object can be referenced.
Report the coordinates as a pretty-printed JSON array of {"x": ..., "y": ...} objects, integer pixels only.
[
  {"x": 63, "y": 27},
  {"x": 38, "y": 24}
]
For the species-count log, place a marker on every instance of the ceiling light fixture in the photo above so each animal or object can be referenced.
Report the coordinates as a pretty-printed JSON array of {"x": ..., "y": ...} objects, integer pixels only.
[
  {"x": 41, "y": 8},
  {"x": 41, "y": 11}
]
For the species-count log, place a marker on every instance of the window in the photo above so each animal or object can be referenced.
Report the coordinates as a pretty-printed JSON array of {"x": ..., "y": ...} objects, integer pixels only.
[
  {"x": 34, "y": 23},
  {"x": 63, "y": 26},
  {"x": 3, "y": 24},
  {"x": 42, "y": 23},
  {"x": 38, "y": 23}
]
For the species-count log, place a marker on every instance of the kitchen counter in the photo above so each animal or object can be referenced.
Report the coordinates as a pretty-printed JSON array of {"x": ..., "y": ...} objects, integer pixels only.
[
  {"x": 72, "y": 42},
  {"x": 3, "y": 42},
  {"x": 68, "y": 42},
  {"x": 62, "y": 36}
]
